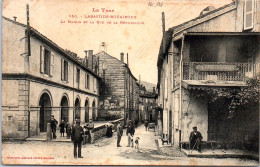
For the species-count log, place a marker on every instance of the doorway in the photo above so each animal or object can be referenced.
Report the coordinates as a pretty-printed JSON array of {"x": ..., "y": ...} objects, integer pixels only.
[
  {"x": 45, "y": 111},
  {"x": 77, "y": 109},
  {"x": 86, "y": 112},
  {"x": 64, "y": 109}
]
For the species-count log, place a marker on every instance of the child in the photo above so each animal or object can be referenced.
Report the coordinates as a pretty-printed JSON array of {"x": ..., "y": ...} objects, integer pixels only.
[
  {"x": 62, "y": 127},
  {"x": 68, "y": 130}
]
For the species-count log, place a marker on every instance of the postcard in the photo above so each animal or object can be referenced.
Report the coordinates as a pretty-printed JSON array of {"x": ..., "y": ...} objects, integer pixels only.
[{"x": 127, "y": 82}]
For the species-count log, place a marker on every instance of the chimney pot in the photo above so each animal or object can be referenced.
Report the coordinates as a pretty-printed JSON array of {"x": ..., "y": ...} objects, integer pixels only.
[
  {"x": 122, "y": 56},
  {"x": 15, "y": 18}
]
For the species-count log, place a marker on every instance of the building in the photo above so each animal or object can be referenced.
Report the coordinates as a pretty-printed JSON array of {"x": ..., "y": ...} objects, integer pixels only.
[
  {"x": 48, "y": 81},
  {"x": 205, "y": 56},
  {"x": 119, "y": 89},
  {"x": 147, "y": 104}
]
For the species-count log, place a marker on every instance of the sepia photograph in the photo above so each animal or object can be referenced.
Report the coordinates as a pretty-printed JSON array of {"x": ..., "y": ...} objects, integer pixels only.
[{"x": 130, "y": 82}]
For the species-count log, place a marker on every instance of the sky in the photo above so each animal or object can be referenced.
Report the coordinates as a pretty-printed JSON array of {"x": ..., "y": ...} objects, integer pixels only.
[{"x": 140, "y": 41}]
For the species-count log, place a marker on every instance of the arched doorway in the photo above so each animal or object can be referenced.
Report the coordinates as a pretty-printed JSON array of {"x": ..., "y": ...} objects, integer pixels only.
[
  {"x": 86, "y": 111},
  {"x": 77, "y": 109},
  {"x": 64, "y": 109},
  {"x": 94, "y": 110},
  {"x": 45, "y": 111}
]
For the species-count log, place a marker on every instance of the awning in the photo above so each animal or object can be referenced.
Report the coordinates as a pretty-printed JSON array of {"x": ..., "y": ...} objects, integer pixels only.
[{"x": 206, "y": 84}]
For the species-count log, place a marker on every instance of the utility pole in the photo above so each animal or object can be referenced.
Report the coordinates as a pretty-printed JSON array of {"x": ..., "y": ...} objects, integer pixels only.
[{"x": 28, "y": 30}]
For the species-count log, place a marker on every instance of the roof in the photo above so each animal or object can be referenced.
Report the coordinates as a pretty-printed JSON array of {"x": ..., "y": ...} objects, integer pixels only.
[
  {"x": 204, "y": 84},
  {"x": 43, "y": 38},
  {"x": 126, "y": 65}
]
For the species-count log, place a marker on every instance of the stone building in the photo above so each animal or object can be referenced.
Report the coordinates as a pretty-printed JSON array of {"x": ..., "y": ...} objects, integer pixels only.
[
  {"x": 51, "y": 81},
  {"x": 147, "y": 104},
  {"x": 216, "y": 51},
  {"x": 119, "y": 89}
]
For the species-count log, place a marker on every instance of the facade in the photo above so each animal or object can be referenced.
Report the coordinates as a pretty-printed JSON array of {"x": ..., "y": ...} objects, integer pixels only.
[
  {"x": 207, "y": 54},
  {"x": 119, "y": 89},
  {"x": 147, "y": 104},
  {"x": 51, "y": 81}
]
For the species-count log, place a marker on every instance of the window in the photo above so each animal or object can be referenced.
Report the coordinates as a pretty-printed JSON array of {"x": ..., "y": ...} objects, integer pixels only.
[
  {"x": 78, "y": 77},
  {"x": 94, "y": 84},
  {"x": 248, "y": 14},
  {"x": 47, "y": 61},
  {"x": 87, "y": 81},
  {"x": 64, "y": 70}
]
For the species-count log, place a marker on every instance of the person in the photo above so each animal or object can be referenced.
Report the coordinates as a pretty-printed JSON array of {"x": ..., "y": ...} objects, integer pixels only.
[
  {"x": 130, "y": 131},
  {"x": 62, "y": 128},
  {"x": 146, "y": 124},
  {"x": 195, "y": 139},
  {"x": 68, "y": 130},
  {"x": 54, "y": 123},
  {"x": 109, "y": 129},
  {"x": 119, "y": 131},
  {"x": 89, "y": 126},
  {"x": 77, "y": 138}
]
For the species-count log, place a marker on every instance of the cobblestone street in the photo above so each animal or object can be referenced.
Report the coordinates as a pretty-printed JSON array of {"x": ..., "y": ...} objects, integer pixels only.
[{"x": 104, "y": 151}]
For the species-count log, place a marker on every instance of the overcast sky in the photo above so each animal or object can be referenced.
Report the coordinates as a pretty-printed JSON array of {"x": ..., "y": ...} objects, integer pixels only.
[{"x": 140, "y": 41}]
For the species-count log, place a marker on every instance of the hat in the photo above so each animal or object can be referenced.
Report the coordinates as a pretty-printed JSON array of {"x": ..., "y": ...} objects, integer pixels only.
[{"x": 195, "y": 127}]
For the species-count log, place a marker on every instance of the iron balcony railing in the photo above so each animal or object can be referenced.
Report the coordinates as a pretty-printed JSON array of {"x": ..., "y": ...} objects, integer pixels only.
[{"x": 226, "y": 71}]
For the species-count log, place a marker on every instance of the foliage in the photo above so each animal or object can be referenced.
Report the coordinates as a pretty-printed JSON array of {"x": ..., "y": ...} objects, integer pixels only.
[{"x": 237, "y": 97}]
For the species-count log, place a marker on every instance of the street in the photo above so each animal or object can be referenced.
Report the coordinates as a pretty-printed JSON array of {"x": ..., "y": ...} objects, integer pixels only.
[{"x": 104, "y": 152}]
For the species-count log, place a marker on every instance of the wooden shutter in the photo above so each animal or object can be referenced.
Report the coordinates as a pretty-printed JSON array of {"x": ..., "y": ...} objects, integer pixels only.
[
  {"x": 41, "y": 59},
  {"x": 248, "y": 14},
  {"x": 95, "y": 84},
  {"x": 86, "y": 80},
  {"x": 62, "y": 69},
  {"x": 52, "y": 64},
  {"x": 166, "y": 88},
  {"x": 68, "y": 71}
]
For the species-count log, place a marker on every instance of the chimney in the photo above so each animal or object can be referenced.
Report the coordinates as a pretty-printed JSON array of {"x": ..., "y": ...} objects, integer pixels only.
[
  {"x": 122, "y": 56},
  {"x": 86, "y": 58},
  {"x": 15, "y": 18},
  {"x": 90, "y": 60}
]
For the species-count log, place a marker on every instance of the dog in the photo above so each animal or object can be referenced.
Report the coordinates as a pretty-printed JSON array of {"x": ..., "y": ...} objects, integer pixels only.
[{"x": 137, "y": 144}]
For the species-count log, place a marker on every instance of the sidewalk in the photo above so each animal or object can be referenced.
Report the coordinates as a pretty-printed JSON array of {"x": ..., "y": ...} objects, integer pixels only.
[{"x": 43, "y": 135}]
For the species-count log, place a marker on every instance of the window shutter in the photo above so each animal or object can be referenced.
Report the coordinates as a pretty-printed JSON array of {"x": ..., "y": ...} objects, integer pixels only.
[
  {"x": 95, "y": 84},
  {"x": 52, "y": 64},
  {"x": 86, "y": 81},
  {"x": 68, "y": 71},
  {"x": 248, "y": 14},
  {"x": 42, "y": 59},
  {"x": 166, "y": 88},
  {"x": 62, "y": 69}
]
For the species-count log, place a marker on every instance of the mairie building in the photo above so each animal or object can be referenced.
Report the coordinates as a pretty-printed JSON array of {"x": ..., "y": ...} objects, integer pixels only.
[{"x": 48, "y": 81}]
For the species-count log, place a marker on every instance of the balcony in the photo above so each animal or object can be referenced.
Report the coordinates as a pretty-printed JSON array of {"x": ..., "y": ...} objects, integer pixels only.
[{"x": 219, "y": 71}]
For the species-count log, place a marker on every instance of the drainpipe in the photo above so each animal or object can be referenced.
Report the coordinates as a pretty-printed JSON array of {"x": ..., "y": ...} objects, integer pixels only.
[{"x": 181, "y": 74}]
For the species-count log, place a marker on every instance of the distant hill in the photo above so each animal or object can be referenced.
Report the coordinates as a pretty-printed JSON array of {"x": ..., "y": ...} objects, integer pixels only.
[{"x": 148, "y": 86}]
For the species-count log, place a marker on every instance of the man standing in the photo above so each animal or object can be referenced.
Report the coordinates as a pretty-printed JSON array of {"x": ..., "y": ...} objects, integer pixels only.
[
  {"x": 77, "y": 138},
  {"x": 54, "y": 123},
  {"x": 195, "y": 139},
  {"x": 119, "y": 131},
  {"x": 130, "y": 131},
  {"x": 89, "y": 128}
]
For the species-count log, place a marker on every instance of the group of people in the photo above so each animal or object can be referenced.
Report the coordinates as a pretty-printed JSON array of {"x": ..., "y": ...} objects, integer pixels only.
[
  {"x": 130, "y": 131},
  {"x": 75, "y": 132},
  {"x": 63, "y": 126}
]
